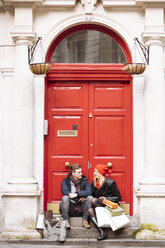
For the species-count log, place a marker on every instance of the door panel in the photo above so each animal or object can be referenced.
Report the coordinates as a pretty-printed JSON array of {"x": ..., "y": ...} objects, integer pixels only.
[
  {"x": 64, "y": 145},
  {"x": 110, "y": 143},
  {"x": 89, "y": 123},
  {"x": 68, "y": 132},
  {"x": 108, "y": 97},
  {"x": 67, "y": 97},
  {"x": 109, "y": 131},
  {"x": 56, "y": 179}
]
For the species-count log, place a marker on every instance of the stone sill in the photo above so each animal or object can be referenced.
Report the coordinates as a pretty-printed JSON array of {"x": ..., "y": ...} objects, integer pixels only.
[
  {"x": 72, "y": 3},
  {"x": 21, "y": 193},
  {"x": 130, "y": 3},
  {"x": 149, "y": 194},
  {"x": 150, "y": 1},
  {"x": 56, "y": 3},
  {"x": 118, "y": 3}
]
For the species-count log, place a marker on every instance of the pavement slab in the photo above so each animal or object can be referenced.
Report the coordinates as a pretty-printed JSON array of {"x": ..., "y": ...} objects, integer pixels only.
[{"x": 81, "y": 243}]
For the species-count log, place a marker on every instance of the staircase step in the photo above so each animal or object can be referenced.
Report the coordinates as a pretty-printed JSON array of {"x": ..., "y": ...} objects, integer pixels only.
[
  {"x": 80, "y": 243},
  {"x": 94, "y": 233},
  {"x": 77, "y": 231}
]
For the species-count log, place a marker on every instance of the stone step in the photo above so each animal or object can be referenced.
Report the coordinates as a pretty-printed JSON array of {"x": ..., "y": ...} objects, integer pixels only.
[
  {"x": 77, "y": 231},
  {"x": 80, "y": 243}
]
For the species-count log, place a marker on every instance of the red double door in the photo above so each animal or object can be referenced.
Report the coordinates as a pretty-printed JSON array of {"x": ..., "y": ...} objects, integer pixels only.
[{"x": 89, "y": 123}]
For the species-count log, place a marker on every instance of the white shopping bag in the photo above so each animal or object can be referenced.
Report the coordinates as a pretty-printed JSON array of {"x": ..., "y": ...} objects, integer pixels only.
[
  {"x": 104, "y": 219},
  {"x": 40, "y": 222}
]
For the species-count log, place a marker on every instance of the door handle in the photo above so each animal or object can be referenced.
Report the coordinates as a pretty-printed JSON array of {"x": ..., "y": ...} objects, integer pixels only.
[
  {"x": 67, "y": 164},
  {"x": 109, "y": 164}
]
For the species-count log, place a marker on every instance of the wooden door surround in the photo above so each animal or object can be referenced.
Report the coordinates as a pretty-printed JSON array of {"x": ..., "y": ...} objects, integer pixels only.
[{"x": 89, "y": 73}]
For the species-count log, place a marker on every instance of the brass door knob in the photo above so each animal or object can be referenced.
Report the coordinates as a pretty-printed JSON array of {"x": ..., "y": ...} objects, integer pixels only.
[
  {"x": 67, "y": 164},
  {"x": 109, "y": 164}
]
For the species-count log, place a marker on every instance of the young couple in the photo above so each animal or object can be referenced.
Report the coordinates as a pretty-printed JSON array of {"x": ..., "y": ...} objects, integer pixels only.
[{"x": 81, "y": 198}]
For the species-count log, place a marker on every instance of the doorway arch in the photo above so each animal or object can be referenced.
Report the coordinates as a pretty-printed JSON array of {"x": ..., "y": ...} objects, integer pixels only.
[
  {"x": 89, "y": 83},
  {"x": 81, "y": 27}
]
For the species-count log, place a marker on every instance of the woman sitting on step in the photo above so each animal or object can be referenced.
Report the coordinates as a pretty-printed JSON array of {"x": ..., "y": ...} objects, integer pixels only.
[{"x": 102, "y": 188}]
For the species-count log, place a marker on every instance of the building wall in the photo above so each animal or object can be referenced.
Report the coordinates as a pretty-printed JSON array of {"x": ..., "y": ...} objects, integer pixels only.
[{"x": 22, "y": 101}]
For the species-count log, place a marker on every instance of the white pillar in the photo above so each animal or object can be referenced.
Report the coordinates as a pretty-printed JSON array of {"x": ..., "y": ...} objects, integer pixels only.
[
  {"x": 154, "y": 109},
  {"x": 152, "y": 186},
  {"x": 21, "y": 194}
]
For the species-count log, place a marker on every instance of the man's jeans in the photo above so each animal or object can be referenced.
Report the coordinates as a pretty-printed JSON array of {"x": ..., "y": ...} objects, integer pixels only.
[{"x": 65, "y": 204}]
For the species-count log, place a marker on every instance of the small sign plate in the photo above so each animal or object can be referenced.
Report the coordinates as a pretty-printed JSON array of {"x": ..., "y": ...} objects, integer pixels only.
[{"x": 67, "y": 133}]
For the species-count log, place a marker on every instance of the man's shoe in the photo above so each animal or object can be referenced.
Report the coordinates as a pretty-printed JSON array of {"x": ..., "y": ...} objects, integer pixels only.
[
  {"x": 85, "y": 224},
  {"x": 67, "y": 225}
]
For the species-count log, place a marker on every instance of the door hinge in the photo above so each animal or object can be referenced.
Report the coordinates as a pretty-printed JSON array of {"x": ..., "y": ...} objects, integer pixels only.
[{"x": 45, "y": 127}]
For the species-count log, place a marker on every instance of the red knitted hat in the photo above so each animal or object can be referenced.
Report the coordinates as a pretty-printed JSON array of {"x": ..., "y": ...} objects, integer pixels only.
[{"x": 103, "y": 169}]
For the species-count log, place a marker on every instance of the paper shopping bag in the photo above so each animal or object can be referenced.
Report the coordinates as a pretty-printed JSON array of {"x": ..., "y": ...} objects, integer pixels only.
[
  {"x": 104, "y": 219},
  {"x": 119, "y": 222}
]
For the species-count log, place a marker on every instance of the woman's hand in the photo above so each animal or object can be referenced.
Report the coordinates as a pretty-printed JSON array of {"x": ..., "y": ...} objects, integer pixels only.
[
  {"x": 102, "y": 198},
  {"x": 73, "y": 195}
]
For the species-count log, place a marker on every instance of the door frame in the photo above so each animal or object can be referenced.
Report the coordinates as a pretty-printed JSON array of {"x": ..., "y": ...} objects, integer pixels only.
[
  {"x": 89, "y": 72},
  {"x": 86, "y": 72}
]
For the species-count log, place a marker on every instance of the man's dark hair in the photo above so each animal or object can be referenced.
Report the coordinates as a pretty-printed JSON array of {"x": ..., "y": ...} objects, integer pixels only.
[{"x": 74, "y": 167}]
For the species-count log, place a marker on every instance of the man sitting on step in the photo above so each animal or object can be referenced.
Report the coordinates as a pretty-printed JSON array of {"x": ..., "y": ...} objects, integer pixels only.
[{"x": 77, "y": 196}]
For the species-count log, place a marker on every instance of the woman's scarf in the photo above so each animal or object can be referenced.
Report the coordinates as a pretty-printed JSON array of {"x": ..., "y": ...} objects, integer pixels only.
[{"x": 97, "y": 184}]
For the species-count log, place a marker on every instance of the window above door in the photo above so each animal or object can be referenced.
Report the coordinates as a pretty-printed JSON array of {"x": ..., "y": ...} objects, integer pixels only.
[{"x": 88, "y": 46}]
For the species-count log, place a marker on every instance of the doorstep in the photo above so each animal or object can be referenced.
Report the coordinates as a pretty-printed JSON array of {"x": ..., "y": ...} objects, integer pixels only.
[
  {"x": 75, "y": 242},
  {"x": 77, "y": 231}
]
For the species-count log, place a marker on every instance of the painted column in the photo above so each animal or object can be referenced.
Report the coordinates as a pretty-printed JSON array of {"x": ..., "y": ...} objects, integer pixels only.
[
  {"x": 21, "y": 194},
  {"x": 152, "y": 185}
]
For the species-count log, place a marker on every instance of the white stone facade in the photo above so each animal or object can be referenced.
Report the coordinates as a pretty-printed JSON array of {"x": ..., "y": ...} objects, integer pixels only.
[{"x": 22, "y": 103}]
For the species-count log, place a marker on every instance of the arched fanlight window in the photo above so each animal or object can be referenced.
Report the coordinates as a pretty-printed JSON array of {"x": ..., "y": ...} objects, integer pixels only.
[{"x": 88, "y": 46}]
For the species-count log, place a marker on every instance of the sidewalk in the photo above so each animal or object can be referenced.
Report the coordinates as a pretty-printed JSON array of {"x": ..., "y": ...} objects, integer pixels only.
[{"x": 80, "y": 243}]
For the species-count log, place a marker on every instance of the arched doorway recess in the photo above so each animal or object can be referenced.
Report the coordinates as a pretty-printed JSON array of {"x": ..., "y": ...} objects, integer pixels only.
[{"x": 89, "y": 109}]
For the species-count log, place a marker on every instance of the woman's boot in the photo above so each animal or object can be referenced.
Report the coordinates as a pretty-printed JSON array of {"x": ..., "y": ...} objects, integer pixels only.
[{"x": 103, "y": 234}]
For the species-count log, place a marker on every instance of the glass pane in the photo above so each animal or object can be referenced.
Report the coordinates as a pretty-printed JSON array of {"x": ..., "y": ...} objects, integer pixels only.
[{"x": 88, "y": 46}]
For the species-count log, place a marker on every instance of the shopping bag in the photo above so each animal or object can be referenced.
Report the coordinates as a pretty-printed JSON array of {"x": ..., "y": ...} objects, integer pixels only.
[
  {"x": 116, "y": 211},
  {"x": 40, "y": 224},
  {"x": 102, "y": 216},
  {"x": 104, "y": 219},
  {"x": 119, "y": 221},
  {"x": 55, "y": 230}
]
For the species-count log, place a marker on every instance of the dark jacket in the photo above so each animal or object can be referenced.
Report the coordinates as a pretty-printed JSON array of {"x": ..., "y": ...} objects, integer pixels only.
[
  {"x": 108, "y": 189},
  {"x": 85, "y": 187}
]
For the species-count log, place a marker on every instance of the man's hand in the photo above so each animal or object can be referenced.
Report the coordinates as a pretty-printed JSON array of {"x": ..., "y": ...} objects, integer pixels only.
[
  {"x": 73, "y": 195},
  {"x": 82, "y": 199}
]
